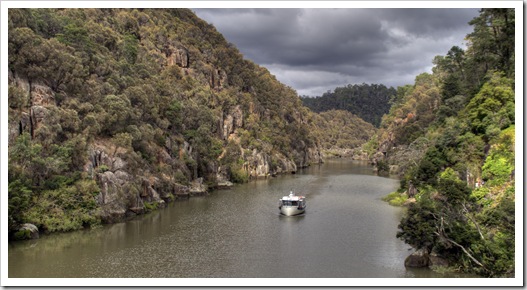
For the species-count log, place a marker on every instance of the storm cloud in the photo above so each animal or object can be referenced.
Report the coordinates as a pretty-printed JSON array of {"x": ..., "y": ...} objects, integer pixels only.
[{"x": 316, "y": 50}]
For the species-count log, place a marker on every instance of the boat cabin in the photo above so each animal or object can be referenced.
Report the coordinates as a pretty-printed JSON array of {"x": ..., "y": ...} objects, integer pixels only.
[
  {"x": 292, "y": 200},
  {"x": 295, "y": 203}
]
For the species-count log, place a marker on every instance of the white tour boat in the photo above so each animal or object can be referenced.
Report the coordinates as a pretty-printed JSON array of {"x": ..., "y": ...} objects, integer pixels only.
[{"x": 292, "y": 204}]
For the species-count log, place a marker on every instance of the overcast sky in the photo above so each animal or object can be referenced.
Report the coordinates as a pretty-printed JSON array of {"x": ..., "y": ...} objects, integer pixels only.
[{"x": 316, "y": 50}]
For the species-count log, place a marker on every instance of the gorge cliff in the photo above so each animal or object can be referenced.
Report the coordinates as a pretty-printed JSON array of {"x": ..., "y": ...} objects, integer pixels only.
[{"x": 114, "y": 112}]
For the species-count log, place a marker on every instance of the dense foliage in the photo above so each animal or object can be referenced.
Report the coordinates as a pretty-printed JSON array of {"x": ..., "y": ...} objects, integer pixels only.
[
  {"x": 158, "y": 91},
  {"x": 452, "y": 136},
  {"x": 369, "y": 102},
  {"x": 341, "y": 129}
]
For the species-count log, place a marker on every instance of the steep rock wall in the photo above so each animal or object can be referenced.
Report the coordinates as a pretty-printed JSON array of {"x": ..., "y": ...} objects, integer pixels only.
[{"x": 148, "y": 109}]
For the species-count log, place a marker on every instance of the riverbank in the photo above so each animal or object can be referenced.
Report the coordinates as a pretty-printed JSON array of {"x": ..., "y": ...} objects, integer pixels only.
[
  {"x": 220, "y": 234},
  {"x": 353, "y": 154}
]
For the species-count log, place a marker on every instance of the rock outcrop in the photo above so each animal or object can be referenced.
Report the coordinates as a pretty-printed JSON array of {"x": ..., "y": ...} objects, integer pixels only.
[
  {"x": 197, "y": 187},
  {"x": 232, "y": 121},
  {"x": 27, "y": 232},
  {"x": 39, "y": 97},
  {"x": 125, "y": 191},
  {"x": 437, "y": 261},
  {"x": 418, "y": 259},
  {"x": 124, "y": 195},
  {"x": 263, "y": 165},
  {"x": 178, "y": 56},
  {"x": 422, "y": 258}
]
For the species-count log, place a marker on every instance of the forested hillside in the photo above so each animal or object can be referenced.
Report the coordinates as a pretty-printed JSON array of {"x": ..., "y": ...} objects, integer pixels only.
[
  {"x": 369, "y": 102},
  {"x": 451, "y": 137},
  {"x": 114, "y": 112},
  {"x": 341, "y": 133}
]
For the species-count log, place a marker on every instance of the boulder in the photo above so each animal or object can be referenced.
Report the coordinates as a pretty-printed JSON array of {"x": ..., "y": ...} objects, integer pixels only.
[
  {"x": 222, "y": 181},
  {"x": 197, "y": 187},
  {"x": 437, "y": 261},
  {"x": 181, "y": 191},
  {"x": 418, "y": 259},
  {"x": 113, "y": 197},
  {"x": 28, "y": 231},
  {"x": 225, "y": 184}
]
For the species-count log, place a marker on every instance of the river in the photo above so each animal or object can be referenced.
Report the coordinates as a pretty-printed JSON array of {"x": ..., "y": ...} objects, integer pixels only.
[{"x": 347, "y": 231}]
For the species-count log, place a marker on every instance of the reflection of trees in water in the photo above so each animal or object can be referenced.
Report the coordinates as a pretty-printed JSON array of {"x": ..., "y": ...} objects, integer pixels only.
[{"x": 104, "y": 238}]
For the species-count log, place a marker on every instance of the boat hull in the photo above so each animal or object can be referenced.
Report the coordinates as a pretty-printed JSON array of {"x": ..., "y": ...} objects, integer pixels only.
[{"x": 291, "y": 210}]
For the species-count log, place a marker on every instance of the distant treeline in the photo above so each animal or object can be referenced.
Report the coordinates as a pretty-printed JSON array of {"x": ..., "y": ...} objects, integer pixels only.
[{"x": 369, "y": 102}]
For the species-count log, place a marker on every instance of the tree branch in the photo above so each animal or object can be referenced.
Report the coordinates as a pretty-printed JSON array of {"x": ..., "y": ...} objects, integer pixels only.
[
  {"x": 472, "y": 220},
  {"x": 441, "y": 233},
  {"x": 466, "y": 252}
]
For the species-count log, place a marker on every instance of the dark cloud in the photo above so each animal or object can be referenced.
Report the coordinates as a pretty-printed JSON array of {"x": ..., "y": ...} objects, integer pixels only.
[{"x": 315, "y": 50}]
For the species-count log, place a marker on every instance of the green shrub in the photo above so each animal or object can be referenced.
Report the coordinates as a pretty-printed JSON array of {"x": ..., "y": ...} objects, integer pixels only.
[
  {"x": 238, "y": 175},
  {"x": 396, "y": 198},
  {"x": 180, "y": 177},
  {"x": 103, "y": 168},
  {"x": 497, "y": 169},
  {"x": 150, "y": 206},
  {"x": 480, "y": 194},
  {"x": 383, "y": 167},
  {"x": 23, "y": 235},
  {"x": 66, "y": 208}
]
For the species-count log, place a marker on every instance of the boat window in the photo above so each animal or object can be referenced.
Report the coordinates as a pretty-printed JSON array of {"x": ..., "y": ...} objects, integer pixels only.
[{"x": 294, "y": 203}]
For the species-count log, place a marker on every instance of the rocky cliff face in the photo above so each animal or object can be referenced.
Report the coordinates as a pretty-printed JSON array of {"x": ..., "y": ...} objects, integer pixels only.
[
  {"x": 124, "y": 193},
  {"x": 27, "y": 119},
  {"x": 124, "y": 189},
  {"x": 150, "y": 114}
]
